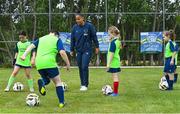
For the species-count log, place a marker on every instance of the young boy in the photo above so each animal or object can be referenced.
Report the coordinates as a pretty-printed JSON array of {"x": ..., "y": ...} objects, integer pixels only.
[
  {"x": 47, "y": 48},
  {"x": 113, "y": 58},
  {"x": 18, "y": 63}
]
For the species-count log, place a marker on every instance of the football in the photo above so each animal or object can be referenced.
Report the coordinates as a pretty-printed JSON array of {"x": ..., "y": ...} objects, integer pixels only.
[
  {"x": 18, "y": 86},
  {"x": 107, "y": 90},
  {"x": 64, "y": 85},
  {"x": 163, "y": 84},
  {"x": 32, "y": 100}
]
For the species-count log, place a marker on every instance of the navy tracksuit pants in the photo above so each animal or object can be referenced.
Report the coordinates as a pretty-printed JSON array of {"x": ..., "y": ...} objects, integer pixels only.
[{"x": 83, "y": 59}]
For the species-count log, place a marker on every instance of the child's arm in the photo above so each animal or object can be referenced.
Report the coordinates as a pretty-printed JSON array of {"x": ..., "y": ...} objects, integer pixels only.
[
  {"x": 110, "y": 59},
  {"x": 65, "y": 58},
  {"x": 28, "y": 50},
  {"x": 33, "y": 58},
  {"x": 173, "y": 57},
  {"x": 14, "y": 61}
]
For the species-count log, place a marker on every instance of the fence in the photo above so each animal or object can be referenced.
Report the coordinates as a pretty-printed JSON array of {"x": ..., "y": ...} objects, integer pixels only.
[{"x": 131, "y": 23}]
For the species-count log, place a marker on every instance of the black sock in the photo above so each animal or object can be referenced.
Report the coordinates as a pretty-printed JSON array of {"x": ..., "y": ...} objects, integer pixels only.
[
  {"x": 171, "y": 84},
  {"x": 175, "y": 77}
]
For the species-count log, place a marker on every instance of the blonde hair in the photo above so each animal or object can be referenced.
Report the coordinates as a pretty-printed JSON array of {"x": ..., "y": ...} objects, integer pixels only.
[{"x": 114, "y": 30}]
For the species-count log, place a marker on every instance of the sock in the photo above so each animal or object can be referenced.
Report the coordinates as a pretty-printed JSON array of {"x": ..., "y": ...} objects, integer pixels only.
[
  {"x": 116, "y": 84},
  {"x": 167, "y": 78},
  {"x": 60, "y": 94},
  {"x": 171, "y": 84},
  {"x": 175, "y": 77},
  {"x": 10, "y": 81},
  {"x": 30, "y": 83}
]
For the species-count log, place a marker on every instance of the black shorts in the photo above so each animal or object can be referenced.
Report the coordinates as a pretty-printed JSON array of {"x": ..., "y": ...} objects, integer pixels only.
[
  {"x": 22, "y": 66},
  {"x": 114, "y": 70},
  {"x": 49, "y": 72}
]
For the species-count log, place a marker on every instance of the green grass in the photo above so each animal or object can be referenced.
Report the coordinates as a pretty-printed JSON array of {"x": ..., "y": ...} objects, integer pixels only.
[{"x": 138, "y": 89}]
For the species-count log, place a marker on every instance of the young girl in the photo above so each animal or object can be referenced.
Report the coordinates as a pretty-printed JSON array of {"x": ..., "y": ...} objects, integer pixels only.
[
  {"x": 113, "y": 58},
  {"x": 176, "y": 56},
  {"x": 170, "y": 53},
  {"x": 18, "y": 63}
]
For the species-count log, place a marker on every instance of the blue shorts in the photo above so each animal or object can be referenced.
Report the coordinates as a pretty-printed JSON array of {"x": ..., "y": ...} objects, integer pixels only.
[
  {"x": 169, "y": 68},
  {"x": 21, "y": 66},
  {"x": 49, "y": 72},
  {"x": 114, "y": 70}
]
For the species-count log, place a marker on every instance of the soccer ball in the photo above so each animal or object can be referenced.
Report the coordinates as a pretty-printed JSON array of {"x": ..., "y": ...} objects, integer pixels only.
[
  {"x": 18, "y": 86},
  {"x": 32, "y": 99},
  {"x": 163, "y": 85},
  {"x": 107, "y": 90},
  {"x": 64, "y": 85}
]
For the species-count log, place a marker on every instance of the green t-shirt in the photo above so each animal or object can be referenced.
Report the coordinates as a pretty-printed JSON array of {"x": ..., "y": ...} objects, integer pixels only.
[
  {"x": 114, "y": 47},
  {"x": 169, "y": 49},
  {"x": 46, "y": 52},
  {"x": 21, "y": 47}
]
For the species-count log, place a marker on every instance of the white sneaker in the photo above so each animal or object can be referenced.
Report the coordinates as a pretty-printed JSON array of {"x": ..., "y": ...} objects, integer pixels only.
[
  {"x": 83, "y": 88},
  {"x": 31, "y": 89},
  {"x": 7, "y": 89}
]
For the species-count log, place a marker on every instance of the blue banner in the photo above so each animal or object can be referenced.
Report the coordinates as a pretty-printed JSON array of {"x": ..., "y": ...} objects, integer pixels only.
[
  {"x": 151, "y": 42},
  {"x": 66, "y": 40},
  {"x": 102, "y": 38},
  {"x": 103, "y": 41}
]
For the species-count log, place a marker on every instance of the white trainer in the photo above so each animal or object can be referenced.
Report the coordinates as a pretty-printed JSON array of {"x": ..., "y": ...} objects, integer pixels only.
[
  {"x": 83, "y": 88},
  {"x": 31, "y": 89},
  {"x": 7, "y": 89}
]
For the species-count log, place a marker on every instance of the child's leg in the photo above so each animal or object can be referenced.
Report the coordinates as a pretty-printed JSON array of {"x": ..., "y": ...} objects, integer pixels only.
[
  {"x": 29, "y": 77},
  {"x": 115, "y": 78},
  {"x": 171, "y": 80},
  {"x": 12, "y": 77},
  {"x": 59, "y": 90},
  {"x": 175, "y": 76}
]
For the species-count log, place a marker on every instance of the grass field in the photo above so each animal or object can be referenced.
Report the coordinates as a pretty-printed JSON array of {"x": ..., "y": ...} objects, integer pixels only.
[{"x": 138, "y": 93}]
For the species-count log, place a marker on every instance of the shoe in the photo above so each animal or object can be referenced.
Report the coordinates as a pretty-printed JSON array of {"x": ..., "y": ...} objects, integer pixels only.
[
  {"x": 42, "y": 89},
  {"x": 114, "y": 94},
  {"x": 61, "y": 105},
  {"x": 7, "y": 89},
  {"x": 31, "y": 89},
  {"x": 83, "y": 88}
]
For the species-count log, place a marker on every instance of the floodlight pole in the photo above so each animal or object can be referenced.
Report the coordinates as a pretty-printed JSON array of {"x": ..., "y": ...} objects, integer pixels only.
[
  {"x": 164, "y": 24},
  {"x": 106, "y": 13},
  {"x": 50, "y": 16}
]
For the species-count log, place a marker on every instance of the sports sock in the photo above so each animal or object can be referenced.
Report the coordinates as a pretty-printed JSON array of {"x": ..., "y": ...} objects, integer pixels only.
[
  {"x": 10, "y": 81},
  {"x": 116, "y": 84},
  {"x": 175, "y": 77},
  {"x": 60, "y": 94},
  {"x": 171, "y": 84},
  {"x": 30, "y": 83},
  {"x": 167, "y": 78}
]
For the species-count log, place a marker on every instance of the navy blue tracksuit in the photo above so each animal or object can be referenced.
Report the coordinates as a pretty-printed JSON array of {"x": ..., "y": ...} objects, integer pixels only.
[{"x": 81, "y": 40}]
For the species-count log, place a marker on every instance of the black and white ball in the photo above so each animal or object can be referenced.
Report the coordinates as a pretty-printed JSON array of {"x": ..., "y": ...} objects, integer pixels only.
[
  {"x": 65, "y": 87},
  {"x": 163, "y": 84},
  {"x": 107, "y": 90},
  {"x": 18, "y": 86},
  {"x": 32, "y": 100}
]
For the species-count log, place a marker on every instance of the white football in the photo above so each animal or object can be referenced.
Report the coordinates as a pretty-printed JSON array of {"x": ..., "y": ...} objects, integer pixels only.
[
  {"x": 32, "y": 99},
  {"x": 18, "y": 86},
  {"x": 163, "y": 84},
  {"x": 64, "y": 85},
  {"x": 107, "y": 90}
]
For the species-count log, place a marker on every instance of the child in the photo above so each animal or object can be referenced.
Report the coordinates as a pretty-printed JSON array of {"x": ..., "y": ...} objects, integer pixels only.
[
  {"x": 18, "y": 63},
  {"x": 113, "y": 58},
  {"x": 47, "y": 48},
  {"x": 176, "y": 56},
  {"x": 170, "y": 53}
]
